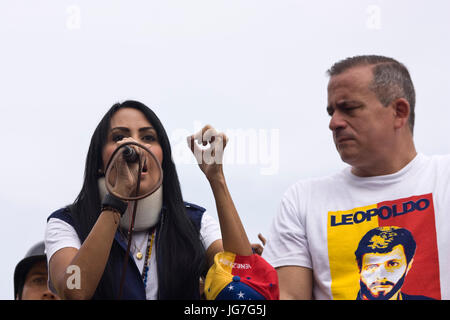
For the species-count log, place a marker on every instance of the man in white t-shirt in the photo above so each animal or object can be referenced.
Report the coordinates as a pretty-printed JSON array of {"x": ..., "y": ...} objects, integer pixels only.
[{"x": 321, "y": 241}]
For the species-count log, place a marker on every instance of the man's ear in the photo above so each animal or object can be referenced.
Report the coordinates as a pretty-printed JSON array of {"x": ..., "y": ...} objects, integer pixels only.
[{"x": 401, "y": 110}]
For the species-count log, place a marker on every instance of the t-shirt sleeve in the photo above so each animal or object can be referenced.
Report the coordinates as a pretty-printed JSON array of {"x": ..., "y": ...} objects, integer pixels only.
[
  {"x": 287, "y": 243},
  {"x": 59, "y": 234},
  {"x": 209, "y": 230}
]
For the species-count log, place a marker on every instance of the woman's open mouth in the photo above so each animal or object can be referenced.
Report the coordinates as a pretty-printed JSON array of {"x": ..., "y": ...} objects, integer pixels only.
[{"x": 144, "y": 168}]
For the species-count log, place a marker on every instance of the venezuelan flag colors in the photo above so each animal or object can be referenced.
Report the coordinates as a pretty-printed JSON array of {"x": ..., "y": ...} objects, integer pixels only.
[
  {"x": 234, "y": 277},
  {"x": 345, "y": 233}
]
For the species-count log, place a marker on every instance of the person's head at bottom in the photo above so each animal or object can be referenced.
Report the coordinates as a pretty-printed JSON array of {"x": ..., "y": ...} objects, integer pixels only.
[{"x": 31, "y": 275}]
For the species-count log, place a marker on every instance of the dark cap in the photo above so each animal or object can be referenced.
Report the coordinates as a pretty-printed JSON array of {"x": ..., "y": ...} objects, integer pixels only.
[{"x": 36, "y": 253}]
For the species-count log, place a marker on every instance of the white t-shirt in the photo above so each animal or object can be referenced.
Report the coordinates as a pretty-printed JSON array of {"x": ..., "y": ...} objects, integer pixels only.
[
  {"x": 60, "y": 234},
  {"x": 322, "y": 222}
]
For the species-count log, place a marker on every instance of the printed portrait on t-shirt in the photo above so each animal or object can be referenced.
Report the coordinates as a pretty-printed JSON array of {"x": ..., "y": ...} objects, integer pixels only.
[
  {"x": 384, "y": 251},
  {"x": 384, "y": 257}
]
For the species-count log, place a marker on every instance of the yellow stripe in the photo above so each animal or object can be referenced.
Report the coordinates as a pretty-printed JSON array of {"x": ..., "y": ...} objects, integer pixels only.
[
  {"x": 219, "y": 275},
  {"x": 343, "y": 240}
]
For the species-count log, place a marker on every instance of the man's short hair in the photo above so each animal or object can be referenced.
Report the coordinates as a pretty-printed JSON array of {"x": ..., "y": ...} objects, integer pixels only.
[
  {"x": 391, "y": 79},
  {"x": 383, "y": 240}
]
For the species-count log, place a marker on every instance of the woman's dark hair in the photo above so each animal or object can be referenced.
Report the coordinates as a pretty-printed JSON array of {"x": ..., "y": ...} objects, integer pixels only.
[{"x": 181, "y": 254}]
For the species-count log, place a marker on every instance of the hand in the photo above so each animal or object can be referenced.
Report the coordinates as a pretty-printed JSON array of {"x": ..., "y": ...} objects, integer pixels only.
[
  {"x": 123, "y": 175},
  {"x": 210, "y": 158},
  {"x": 256, "y": 247}
]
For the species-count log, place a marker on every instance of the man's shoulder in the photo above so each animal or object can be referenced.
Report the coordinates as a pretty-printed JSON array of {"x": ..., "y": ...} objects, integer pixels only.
[
  {"x": 318, "y": 182},
  {"x": 437, "y": 165},
  {"x": 313, "y": 190},
  {"x": 440, "y": 159}
]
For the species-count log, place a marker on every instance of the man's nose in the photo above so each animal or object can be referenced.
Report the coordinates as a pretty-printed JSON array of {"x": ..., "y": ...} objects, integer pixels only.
[
  {"x": 337, "y": 121},
  {"x": 381, "y": 274}
]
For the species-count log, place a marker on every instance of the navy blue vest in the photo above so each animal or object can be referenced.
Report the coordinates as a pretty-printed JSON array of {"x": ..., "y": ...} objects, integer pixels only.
[{"x": 134, "y": 286}]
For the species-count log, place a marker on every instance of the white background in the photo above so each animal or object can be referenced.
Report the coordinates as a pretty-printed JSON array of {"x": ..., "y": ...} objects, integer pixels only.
[{"x": 236, "y": 64}]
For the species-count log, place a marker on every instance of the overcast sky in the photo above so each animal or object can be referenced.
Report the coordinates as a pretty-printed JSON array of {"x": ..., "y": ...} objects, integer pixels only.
[{"x": 254, "y": 69}]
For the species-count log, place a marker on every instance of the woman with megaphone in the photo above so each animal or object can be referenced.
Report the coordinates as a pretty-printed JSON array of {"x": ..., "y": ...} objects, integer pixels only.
[
  {"x": 129, "y": 234},
  {"x": 172, "y": 239}
]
